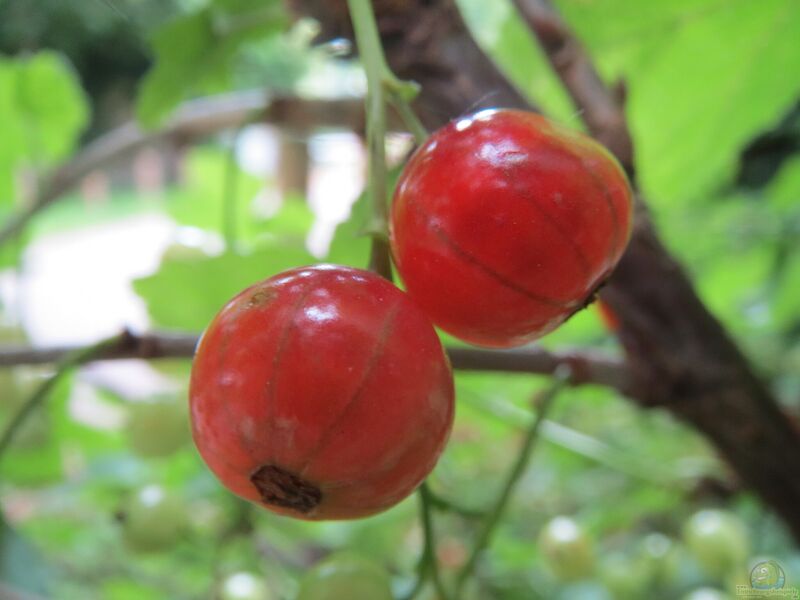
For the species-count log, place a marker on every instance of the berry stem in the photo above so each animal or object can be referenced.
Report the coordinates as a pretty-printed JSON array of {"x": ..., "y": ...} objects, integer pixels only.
[
  {"x": 543, "y": 402},
  {"x": 446, "y": 505},
  {"x": 375, "y": 67},
  {"x": 428, "y": 565},
  {"x": 403, "y": 108},
  {"x": 382, "y": 87}
]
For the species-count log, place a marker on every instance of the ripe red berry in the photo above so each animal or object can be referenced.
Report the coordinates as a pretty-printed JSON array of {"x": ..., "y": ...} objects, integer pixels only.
[
  {"x": 321, "y": 393},
  {"x": 504, "y": 224}
]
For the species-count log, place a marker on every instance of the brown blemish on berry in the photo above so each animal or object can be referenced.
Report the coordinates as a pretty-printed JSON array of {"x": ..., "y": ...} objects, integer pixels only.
[
  {"x": 280, "y": 487},
  {"x": 261, "y": 297}
]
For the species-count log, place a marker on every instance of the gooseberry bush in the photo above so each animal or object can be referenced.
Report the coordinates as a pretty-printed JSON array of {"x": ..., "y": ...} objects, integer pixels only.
[{"x": 342, "y": 449}]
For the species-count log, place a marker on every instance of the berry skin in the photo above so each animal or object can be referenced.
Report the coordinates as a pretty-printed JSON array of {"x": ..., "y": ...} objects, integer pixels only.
[
  {"x": 321, "y": 393},
  {"x": 566, "y": 549},
  {"x": 157, "y": 428},
  {"x": 504, "y": 224},
  {"x": 719, "y": 541},
  {"x": 624, "y": 577},
  {"x": 153, "y": 519},
  {"x": 244, "y": 586},
  {"x": 345, "y": 576}
]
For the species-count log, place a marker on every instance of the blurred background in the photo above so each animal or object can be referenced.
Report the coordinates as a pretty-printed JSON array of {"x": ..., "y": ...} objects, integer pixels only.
[{"x": 183, "y": 149}]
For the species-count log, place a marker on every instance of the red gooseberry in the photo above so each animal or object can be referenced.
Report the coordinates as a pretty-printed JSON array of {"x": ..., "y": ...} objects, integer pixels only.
[
  {"x": 504, "y": 224},
  {"x": 321, "y": 393}
]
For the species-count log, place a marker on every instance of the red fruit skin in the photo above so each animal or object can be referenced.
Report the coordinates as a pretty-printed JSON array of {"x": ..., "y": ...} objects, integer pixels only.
[
  {"x": 504, "y": 224},
  {"x": 333, "y": 376}
]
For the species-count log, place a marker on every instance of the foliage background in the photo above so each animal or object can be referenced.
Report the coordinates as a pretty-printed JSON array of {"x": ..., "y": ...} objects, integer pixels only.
[{"x": 712, "y": 90}]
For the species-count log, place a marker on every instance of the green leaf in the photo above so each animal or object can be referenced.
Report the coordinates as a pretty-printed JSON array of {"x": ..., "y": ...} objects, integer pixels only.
[
  {"x": 715, "y": 83},
  {"x": 506, "y": 38},
  {"x": 784, "y": 190},
  {"x": 785, "y": 308},
  {"x": 43, "y": 110},
  {"x": 199, "y": 202},
  {"x": 350, "y": 245},
  {"x": 351, "y": 242},
  {"x": 13, "y": 144},
  {"x": 126, "y": 589},
  {"x": 187, "y": 294},
  {"x": 41, "y": 462},
  {"x": 53, "y": 105},
  {"x": 195, "y": 53},
  {"x": 21, "y": 566},
  {"x": 703, "y": 78}
]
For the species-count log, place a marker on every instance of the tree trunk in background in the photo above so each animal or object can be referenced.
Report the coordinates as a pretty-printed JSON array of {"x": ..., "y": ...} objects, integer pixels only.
[{"x": 681, "y": 357}]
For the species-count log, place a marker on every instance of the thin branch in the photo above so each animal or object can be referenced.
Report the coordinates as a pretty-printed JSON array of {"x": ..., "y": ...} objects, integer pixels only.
[
  {"x": 601, "y": 107},
  {"x": 374, "y": 63},
  {"x": 131, "y": 345},
  {"x": 194, "y": 119},
  {"x": 543, "y": 403},
  {"x": 587, "y": 368},
  {"x": 428, "y": 567},
  {"x": 446, "y": 505}
]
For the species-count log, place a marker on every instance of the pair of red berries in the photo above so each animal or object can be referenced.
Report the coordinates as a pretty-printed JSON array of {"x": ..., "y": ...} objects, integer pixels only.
[{"x": 324, "y": 392}]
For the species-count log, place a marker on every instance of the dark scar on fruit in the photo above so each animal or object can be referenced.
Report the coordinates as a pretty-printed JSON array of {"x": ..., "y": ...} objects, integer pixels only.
[{"x": 280, "y": 487}]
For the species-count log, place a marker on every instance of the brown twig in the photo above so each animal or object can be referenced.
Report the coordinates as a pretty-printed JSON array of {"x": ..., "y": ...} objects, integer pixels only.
[
  {"x": 587, "y": 367},
  {"x": 195, "y": 119},
  {"x": 602, "y": 109},
  {"x": 146, "y": 346}
]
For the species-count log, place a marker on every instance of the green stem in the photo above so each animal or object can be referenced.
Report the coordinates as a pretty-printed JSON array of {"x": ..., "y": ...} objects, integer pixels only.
[
  {"x": 73, "y": 360},
  {"x": 544, "y": 402},
  {"x": 371, "y": 52},
  {"x": 428, "y": 564},
  {"x": 409, "y": 117},
  {"x": 446, "y": 505}
]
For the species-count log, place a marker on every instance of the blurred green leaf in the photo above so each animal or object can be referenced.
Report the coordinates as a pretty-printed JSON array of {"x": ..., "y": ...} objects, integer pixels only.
[
  {"x": 784, "y": 190},
  {"x": 43, "y": 109},
  {"x": 125, "y": 589},
  {"x": 187, "y": 294},
  {"x": 721, "y": 94},
  {"x": 52, "y": 105},
  {"x": 42, "y": 463},
  {"x": 201, "y": 200},
  {"x": 350, "y": 244},
  {"x": 506, "y": 38},
  {"x": 195, "y": 52},
  {"x": 785, "y": 308},
  {"x": 704, "y": 77}
]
